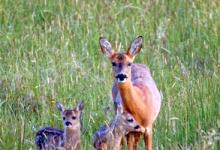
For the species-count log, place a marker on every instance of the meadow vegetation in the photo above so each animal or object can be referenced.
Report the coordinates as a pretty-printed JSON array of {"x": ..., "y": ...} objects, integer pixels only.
[{"x": 49, "y": 52}]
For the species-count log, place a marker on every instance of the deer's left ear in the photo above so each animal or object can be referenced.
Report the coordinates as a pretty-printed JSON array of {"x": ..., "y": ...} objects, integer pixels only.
[
  {"x": 135, "y": 46},
  {"x": 80, "y": 106}
]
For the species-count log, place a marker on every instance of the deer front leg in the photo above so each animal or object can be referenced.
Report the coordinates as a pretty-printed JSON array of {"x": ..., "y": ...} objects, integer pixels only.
[
  {"x": 130, "y": 141},
  {"x": 148, "y": 139},
  {"x": 137, "y": 137}
]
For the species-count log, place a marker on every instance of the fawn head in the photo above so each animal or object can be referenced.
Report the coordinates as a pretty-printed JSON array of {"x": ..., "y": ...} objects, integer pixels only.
[
  {"x": 126, "y": 122},
  {"x": 71, "y": 117},
  {"x": 121, "y": 62}
]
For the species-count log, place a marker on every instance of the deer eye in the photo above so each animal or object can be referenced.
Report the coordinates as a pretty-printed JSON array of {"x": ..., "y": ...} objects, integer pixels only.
[
  {"x": 73, "y": 117},
  {"x": 137, "y": 127},
  {"x": 64, "y": 118},
  {"x": 113, "y": 64},
  {"x": 129, "y": 64},
  {"x": 130, "y": 120}
]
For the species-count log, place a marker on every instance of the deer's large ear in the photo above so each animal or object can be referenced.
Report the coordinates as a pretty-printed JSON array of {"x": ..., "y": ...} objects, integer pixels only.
[
  {"x": 135, "y": 46},
  {"x": 60, "y": 107},
  {"x": 106, "y": 47},
  {"x": 80, "y": 106}
]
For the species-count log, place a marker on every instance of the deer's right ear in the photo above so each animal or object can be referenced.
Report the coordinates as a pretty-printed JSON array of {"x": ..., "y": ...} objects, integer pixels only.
[
  {"x": 106, "y": 47},
  {"x": 80, "y": 106},
  {"x": 60, "y": 107}
]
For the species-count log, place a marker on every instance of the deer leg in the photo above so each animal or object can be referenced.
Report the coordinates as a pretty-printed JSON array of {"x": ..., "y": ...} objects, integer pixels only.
[
  {"x": 130, "y": 141},
  {"x": 123, "y": 142},
  {"x": 148, "y": 139},
  {"x": 137, "y": 137}
]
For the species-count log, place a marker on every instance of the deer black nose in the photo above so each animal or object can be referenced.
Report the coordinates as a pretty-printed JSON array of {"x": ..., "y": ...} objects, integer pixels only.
[
  {"x": 68, "y": 123},
  {"x": 121, "y": 77},
  {"x": 137, "y": 127}
]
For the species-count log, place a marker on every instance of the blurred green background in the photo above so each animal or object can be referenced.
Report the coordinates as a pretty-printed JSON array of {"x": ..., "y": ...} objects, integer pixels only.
[{"x": 49, "y": 52}]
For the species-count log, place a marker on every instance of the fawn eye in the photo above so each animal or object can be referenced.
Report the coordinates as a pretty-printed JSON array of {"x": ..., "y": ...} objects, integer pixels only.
[
  {"x": 130, "y": 120},
  {"x": 73, "y": 117},
  {"x": 64, "y": 118},
  {"x": 113, "y": 64},
  {"x": 137, "y": 127},
  {"x": 129, "y": 64}
]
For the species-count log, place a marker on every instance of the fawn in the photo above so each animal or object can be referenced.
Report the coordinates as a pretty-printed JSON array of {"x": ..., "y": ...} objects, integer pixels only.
[
  {"x": 51, "y": 138},
  {"x": 134, "y": 88},
  {"x": 109, "y": 137}
]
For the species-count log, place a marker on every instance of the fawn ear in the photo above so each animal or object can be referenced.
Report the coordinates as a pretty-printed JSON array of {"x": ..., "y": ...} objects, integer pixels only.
[
  {"x": 60, "y": 106},
  {"x": 80, "y": 106},
  {"x": 135, "y": 46},
  {"x": 119, "y": 110},
  {"x": 106, "y": 47}
]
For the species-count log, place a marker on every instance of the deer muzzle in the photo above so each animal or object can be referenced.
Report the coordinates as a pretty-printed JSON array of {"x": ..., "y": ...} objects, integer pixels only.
[
  {"x": 68, "y": 124},
  {"x": 121, "y": 78}
]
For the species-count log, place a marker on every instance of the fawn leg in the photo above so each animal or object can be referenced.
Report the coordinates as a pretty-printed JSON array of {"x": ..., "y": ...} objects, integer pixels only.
[{"x": 123, "y": 142}]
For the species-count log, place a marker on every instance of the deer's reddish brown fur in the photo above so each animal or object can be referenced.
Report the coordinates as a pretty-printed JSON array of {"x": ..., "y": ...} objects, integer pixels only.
[{"x": 134, "y": 89}]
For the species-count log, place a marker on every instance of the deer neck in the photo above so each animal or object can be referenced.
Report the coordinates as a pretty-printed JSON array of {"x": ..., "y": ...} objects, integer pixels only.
[
  {"x": 71, "y": 138},
  {"x": 128, "y": 94},
  {"x": 132, "y": 99}
]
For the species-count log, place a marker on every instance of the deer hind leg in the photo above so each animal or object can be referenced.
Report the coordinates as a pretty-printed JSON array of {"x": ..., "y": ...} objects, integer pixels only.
[
  {"x": 148, "y": 139},
  {"x": 137, "y": 137},
  {"x": 130, "y": 141}
]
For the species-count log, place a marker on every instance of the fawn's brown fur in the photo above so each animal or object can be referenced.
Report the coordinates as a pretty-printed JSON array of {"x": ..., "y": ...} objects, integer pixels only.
[
  {"x": 134, "y": 88},
  {"x": 51, "y": 138},
  {"x": 109, "y": 137}
]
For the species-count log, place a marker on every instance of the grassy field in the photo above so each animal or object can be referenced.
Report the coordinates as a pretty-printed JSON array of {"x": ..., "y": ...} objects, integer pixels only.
[{"x": 49, "y": 52}]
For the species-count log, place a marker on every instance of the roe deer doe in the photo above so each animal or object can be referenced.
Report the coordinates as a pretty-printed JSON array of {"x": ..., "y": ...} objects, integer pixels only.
[
  {"x": 51, "y": 138},
  {"x": 134, "y": 88},
  {"x": 109, "y": 137}
]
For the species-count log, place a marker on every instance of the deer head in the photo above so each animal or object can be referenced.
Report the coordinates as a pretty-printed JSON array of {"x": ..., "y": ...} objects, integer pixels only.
[
  {"x": 71, "y": 117},
  {"x": 124, "y": 122},
  {"x": 121, "y": 62}
]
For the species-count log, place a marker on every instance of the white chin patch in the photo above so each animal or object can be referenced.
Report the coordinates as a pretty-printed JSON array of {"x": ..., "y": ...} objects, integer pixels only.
[{"x": 122, "y": 81}]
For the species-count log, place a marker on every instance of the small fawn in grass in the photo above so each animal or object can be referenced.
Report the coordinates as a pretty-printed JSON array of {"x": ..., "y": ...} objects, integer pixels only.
[
  {"x": 109, "y": 137},
  {"x": 134, "y": 88},
  {"x": 51, "y": 138}
]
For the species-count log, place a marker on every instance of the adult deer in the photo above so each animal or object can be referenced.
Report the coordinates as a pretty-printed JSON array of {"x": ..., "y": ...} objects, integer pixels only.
[{"x": 134, "y": 88}]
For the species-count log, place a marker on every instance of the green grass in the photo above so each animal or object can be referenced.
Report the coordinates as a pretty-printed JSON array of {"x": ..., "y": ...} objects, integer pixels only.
[{"x": 49, "y": 51}]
